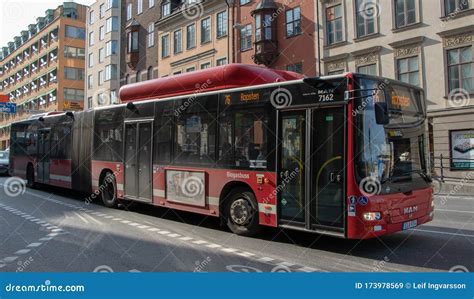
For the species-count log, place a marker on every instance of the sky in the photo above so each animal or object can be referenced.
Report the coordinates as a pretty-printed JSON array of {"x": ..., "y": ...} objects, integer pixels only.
[{"x": 16, "y": 15}]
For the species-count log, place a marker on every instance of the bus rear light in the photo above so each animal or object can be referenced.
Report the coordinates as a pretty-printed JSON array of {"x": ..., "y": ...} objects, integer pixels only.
[{"x": 372, "y": 216}]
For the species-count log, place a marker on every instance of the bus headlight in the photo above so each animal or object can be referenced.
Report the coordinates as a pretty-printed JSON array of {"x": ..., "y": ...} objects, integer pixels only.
[{"x": 372, "y": 216}]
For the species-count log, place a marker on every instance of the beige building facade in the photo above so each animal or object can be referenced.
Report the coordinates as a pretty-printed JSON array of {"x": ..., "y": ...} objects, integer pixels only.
[
  {"x": 426, "y": 43},
  {"x": 193, "y": 37},
  {"x": 42, "y": 70},
  {"x": 102, "y": 81}
]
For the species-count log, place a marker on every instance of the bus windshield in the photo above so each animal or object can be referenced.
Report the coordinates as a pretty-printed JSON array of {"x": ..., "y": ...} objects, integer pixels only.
[{"x": 393, "y": 154}]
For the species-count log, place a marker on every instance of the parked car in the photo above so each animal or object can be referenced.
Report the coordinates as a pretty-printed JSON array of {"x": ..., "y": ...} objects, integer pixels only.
[{"x": 4, "y": 163}]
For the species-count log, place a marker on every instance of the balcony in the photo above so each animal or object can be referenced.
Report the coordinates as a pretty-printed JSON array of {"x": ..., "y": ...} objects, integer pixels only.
[{"x": 266, "y": 44}]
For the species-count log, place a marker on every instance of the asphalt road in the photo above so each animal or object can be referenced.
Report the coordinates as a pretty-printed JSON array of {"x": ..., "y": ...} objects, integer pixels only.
[{"x": 56, "y": 230}]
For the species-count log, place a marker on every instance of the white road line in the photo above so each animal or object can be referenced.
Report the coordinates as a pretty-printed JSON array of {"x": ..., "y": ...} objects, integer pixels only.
[
  {"x": 266, "y": 259},
  {"x": 174, "y": 235},
  {"x": 46, "y": 239},
  {"x": 443, "y": 233},
  {"x": 199, "y": 242},
  {"x": 80, "y": 216},
  {"x": 153, "y": 229},
  {"x": 454, "y": 211},
  {"x": 34, "y": 244},
  {"x": 10, "y": 259},
  {"x": 186, "y": 238},
  {"x": 22, "y": 251},
  {"x": 286, "y": 264},
  {"x": 214, "y": 246},
  {"x": 245, "y": 254},
  {"x": 229, "y": 249},
  {"x": 164, "y": 232},
  {"x": 308, "y": 269},
  {"x": 92, "y": 219},
  {"x": 143, "y": 226}
]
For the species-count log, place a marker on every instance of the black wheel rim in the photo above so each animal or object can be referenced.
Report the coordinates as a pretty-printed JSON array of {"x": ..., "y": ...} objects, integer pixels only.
[{"x": 241, "y": 211}]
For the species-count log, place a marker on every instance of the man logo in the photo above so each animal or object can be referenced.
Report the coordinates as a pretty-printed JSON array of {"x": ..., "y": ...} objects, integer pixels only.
[{"x": 410, "y": 210}]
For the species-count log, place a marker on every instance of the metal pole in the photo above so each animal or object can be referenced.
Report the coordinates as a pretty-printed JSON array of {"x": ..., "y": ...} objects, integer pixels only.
[{"x": 442, "y": 167}]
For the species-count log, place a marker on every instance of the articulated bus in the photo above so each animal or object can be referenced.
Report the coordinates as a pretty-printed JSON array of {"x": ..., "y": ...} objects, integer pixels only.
[{"x": 341, "y": 155}]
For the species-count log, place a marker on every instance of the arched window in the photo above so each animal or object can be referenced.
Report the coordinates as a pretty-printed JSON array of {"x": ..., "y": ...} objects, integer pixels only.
[
  {"x": 149, "y": 73},
  {"x": 139, "y": 74}
]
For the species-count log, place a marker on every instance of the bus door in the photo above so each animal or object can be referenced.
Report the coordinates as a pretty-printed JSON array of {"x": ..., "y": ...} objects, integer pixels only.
[
  {"x": 311, "y": 168},
  {"x": 43, "y": 161},
  {"x": 138, "y": 160}
]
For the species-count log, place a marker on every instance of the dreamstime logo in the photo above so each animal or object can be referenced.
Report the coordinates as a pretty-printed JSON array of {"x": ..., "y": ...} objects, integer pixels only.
[
  {"x": 192, "y": 186},
  {"x": 248, "y": 269},
  {"x": 369, "y": 9},
  {"x": 11, "y": 11},
  {"x": 108, "y": 269},
  {"x": 370, "y": 186},
  {"x": 458, "y": 97},
  {"x": 14, "y": 187},
  {"x": 281, "y": 269},
  {"x": 459, "y": 269},
  {"x": 192, "y": 11},
  {"x": 281, "y": 98}
]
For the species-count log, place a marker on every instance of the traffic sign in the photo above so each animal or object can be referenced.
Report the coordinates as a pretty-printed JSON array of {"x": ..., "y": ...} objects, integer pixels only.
[{"x": 8, "y": 108}]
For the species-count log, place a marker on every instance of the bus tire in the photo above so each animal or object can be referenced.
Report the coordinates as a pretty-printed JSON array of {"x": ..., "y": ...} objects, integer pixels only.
[
  {"x": 241, "y": 212},
  {"x": 109, "y": 193},
  {"x": 30, "y": 177}
]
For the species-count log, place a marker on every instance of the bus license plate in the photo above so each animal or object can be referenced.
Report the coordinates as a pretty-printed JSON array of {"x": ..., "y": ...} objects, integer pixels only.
[{"x": 409, "y": 224}]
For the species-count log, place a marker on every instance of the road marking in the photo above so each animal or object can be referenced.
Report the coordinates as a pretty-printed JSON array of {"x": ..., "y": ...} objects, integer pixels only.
[
  {"x": 153, "y": 229},
  {"x": 174, "y": 235},
  {"x": 265, "y": 259},
  {"x": 454, "y": 211},
  {"x": 10, "y": 259},
  {"x": 134, "y": 224},
  {"x": 214, "y": 246},
  {"x": 443, "y": 233},
  {"x": 34, "y": 244},
  {"x": 80, "y": 216},
  {"x": 286, "y": 264},
  {"x": 229, "y": 249},
  {"x": 22, "y": 251},
  {"x": 164, "y": 232},
  {"x": 245, "y": 254},
  {"x": 143, "y": 226},
  {"x": 308, "y": 269},
  {"x": 199, "y": 242},
  {"x": 186, "y": 238}
]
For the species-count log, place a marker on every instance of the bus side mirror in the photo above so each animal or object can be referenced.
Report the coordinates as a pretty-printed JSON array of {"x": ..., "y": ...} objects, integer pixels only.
[{"x": 381, "y": 113}]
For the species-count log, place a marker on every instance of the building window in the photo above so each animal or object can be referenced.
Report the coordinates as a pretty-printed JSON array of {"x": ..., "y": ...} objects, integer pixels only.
[
  {"x": 460, "y": 70},
  {"x": 91, "y": 17},
  {"x": 113, "y": 97},
  {"x": 191, "y": 36},
  {"x": 165, "y": 46},
  {"x": 205, "y": 65},
  {"x": 408, "y": 70},
  {"x": 90, "y": 82},
  {"x": 132, "y": 42},
  {"x": 101, "y": 78},
  {"x": 246, "y": 37},
  {"x": 177, "y": 42},
  {"x": 335, "y": 72},
  {"x": 190, "y": 69},
  {"x": 243, "y": 2},
  {"x": 111, "y": 24},
  {"x": 102, "y": 10},
  {"x": 334, "y": 24},
  {"x": 455, "y": 6},
  {"x": 89, "y": 102},
  {"x": 101, "y": 55},
  {"x": 129, "y": 11},
  {"x": 72, "y": 94},
  {"x": 151, "y": 3},
  {"x": 151, "y": 34},
  {"x": 297, "y": 68},
  {"x": 267, "y": 27},
  {"x": 112, "y": 4},
  {"x": 149, "y": 73},
  {"x": 293, "y": 22},
  {"x": 221, "y": 24},
  {"x": 165, "y": 9},
  {"x": 91, "y": 60},
  {"x": 91, "y": 38},
  {"x": 206, "y": 30},
  {"x": 369, "y": 69},
  {"x": 221, "y": 61},
  {"x": 366, "y": 17},
  {"x": 72, "y": 73},
  {"x": 101, "y": 32},
  {"x": 405, "y": 13},
  {"x": 101, "y": 99},
  {"x": 139, "y": 6},
  {"x": 72, "y": 52},
  {"x": 110, "y": 72},
  {"x": 111, "y": 48},
  {"x": 138, "y": 76}
]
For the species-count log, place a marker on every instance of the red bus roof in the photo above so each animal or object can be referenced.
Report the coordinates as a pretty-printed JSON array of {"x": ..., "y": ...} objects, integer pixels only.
[{"x": 211, "y": 79}]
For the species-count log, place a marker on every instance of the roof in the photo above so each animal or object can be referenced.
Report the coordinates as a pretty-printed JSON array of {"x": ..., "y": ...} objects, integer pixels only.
[{"x": 212, "y": 79}]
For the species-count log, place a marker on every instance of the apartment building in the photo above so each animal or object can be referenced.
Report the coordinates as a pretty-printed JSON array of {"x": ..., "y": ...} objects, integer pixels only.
[
  {"x": 280, "y": 34},
  {"x": 425, "y": 43},
  {"x": 193, "y": 35},
  {"x": 103, "y": 53},
  {"x": 42, "y": 69},
  {"x": 139, "y": 46}
]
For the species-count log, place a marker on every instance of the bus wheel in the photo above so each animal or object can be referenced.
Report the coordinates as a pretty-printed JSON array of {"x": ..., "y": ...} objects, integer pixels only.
[
  {"x": 109, "y": 192},
  {"x": 241, "y": 213},
  {"x": 30, "y": 177}
]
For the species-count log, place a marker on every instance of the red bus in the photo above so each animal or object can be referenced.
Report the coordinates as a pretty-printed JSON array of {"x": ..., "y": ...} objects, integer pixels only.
[{"x": 342, "y": 155}]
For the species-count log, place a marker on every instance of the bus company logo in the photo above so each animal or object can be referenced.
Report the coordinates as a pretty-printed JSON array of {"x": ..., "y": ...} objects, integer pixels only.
[
  {"x": 238, "y": 175},
  {"x": 281, "y": 98},
  {"x": 249, "y": 97},
  {"x": 370, "y": 186}
]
